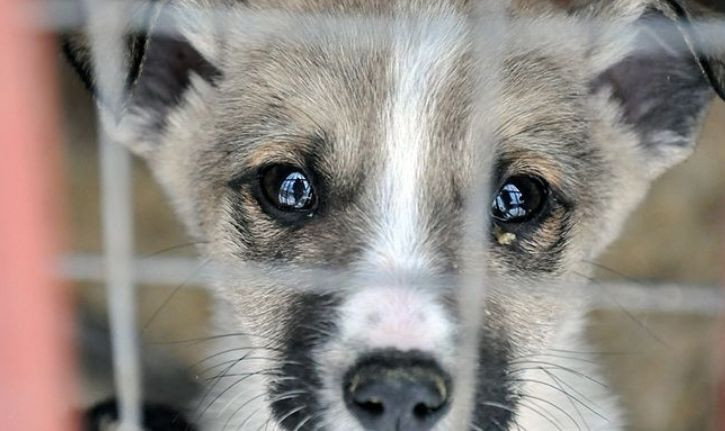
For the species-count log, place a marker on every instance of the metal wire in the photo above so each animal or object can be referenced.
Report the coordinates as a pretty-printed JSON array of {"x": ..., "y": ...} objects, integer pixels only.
[
  {"x": 123, "y": 271},
  {"x": 107, "y": 33}
]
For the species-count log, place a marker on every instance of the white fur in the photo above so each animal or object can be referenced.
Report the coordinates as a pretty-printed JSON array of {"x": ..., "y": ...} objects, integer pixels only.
[
  {"x": 563, "y": 388},
  {"x": 396, "y": 317},
  {"x": 235, "y": 392},
  {"x": 388, "y": 313},
  {"x": 422, "y": 57}
]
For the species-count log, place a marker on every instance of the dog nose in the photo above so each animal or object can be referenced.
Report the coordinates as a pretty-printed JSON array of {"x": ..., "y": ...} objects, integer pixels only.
[{"x": 395, "y": 391}]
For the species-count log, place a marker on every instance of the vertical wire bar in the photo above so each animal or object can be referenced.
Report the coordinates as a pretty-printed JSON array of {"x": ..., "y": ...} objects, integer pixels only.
[
  {"x": 107, "y": 29},
  {"x": 35, "y": 329},
  {"x": 487, "y": 28},
  {"x": 117, "y": 225}
]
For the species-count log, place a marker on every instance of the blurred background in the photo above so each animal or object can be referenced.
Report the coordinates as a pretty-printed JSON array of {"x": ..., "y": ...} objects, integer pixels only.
[{"x": 662, "y": 363}]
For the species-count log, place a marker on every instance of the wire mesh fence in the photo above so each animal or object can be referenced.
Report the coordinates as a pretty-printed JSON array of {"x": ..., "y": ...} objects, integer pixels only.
[{"x": 637, "y": 309}]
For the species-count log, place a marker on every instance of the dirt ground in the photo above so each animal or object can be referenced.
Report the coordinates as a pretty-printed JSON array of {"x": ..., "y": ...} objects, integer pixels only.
[{"x": 661, "y": 364}]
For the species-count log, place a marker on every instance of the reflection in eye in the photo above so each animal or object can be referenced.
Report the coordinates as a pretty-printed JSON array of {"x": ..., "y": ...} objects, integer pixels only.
[
  {"x": 519, "y": 199},
  {"x": 295, "y": 191},
  {"x": 515, "y": 205}
]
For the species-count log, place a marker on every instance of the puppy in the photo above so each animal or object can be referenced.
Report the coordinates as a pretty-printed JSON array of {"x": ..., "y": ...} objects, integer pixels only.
[{"x": 401, "y": 196}]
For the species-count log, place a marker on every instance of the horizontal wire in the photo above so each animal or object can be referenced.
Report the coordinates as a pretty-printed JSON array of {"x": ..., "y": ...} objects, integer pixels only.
[
  {"x": 667, "y": 297},
  {"x": 662, "y": 298},
  {"x": 60, "y": 15}
]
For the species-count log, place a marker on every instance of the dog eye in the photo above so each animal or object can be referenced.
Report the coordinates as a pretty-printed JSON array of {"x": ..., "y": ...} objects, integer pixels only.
[
  {"x": 288, "y": 188},
  {"x": 519, "y": 199}
]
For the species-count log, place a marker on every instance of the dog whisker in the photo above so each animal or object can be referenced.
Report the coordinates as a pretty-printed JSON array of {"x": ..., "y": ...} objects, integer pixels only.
[
  {"x": 235, "y": 412},
  {"x": 235, "y": 362},
  {"x": 303, "y": 422},
  {"x": 280, "y": 397},
  {"x": 555, "y": 366},
  {"x": 171, "y": 295},
  {"x": 580, "y": 398},
  {"x": 237, "y": 349},
  {"x": 544, "y": 414},
  {"x": 590, "y": 353},
  {"x": 213, "y": 385},
  {"x": 290, "y": 413},
  {"x": 636, "y": 320},
  {"x": 268, "y": 372},
  {"x": 174, "y": 248},
  {"x": 501, "y": 406},
  {"x": 553, "y": 405},
  {"x": 572, "y": 400},
  {"x": 214, "y": 337},
  {"x": 557, "y": 356}
]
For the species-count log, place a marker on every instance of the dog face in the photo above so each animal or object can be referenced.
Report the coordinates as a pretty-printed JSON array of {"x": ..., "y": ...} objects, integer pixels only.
[{"x": 337, "y": 152}]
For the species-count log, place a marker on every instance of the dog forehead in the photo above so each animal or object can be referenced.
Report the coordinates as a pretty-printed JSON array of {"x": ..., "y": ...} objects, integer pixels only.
[{"x": 330, "y": 88}]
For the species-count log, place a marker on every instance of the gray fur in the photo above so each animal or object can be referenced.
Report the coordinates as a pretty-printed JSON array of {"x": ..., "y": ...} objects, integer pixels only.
[{"x": 310, "y": 83}]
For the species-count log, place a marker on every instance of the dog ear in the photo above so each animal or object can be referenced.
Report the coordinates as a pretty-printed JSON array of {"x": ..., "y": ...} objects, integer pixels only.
[
  {"x": 673, "y": 67},
  {"x": 164, "y": 48}
]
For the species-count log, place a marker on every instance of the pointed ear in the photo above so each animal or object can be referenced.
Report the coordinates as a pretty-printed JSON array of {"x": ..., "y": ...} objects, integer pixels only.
[
  {"x": 162, "y": 49},
  {"x": 664, "y": 83}
]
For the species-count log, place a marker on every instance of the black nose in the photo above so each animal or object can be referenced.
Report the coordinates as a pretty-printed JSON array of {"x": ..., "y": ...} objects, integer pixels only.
[{"x": 395, "y": 391}]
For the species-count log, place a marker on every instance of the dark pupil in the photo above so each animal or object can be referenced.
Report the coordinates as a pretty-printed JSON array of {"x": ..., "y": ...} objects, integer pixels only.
[
  {"x": 518, "y": 199},
  {"x": 295, "y": 191}
]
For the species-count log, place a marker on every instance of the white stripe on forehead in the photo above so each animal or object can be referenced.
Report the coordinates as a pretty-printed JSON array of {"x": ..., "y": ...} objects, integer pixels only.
[{"x": 423, "y": 54}]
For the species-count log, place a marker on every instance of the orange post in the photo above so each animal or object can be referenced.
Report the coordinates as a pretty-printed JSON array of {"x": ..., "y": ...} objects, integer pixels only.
[{"x": 35, "y": 389}]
